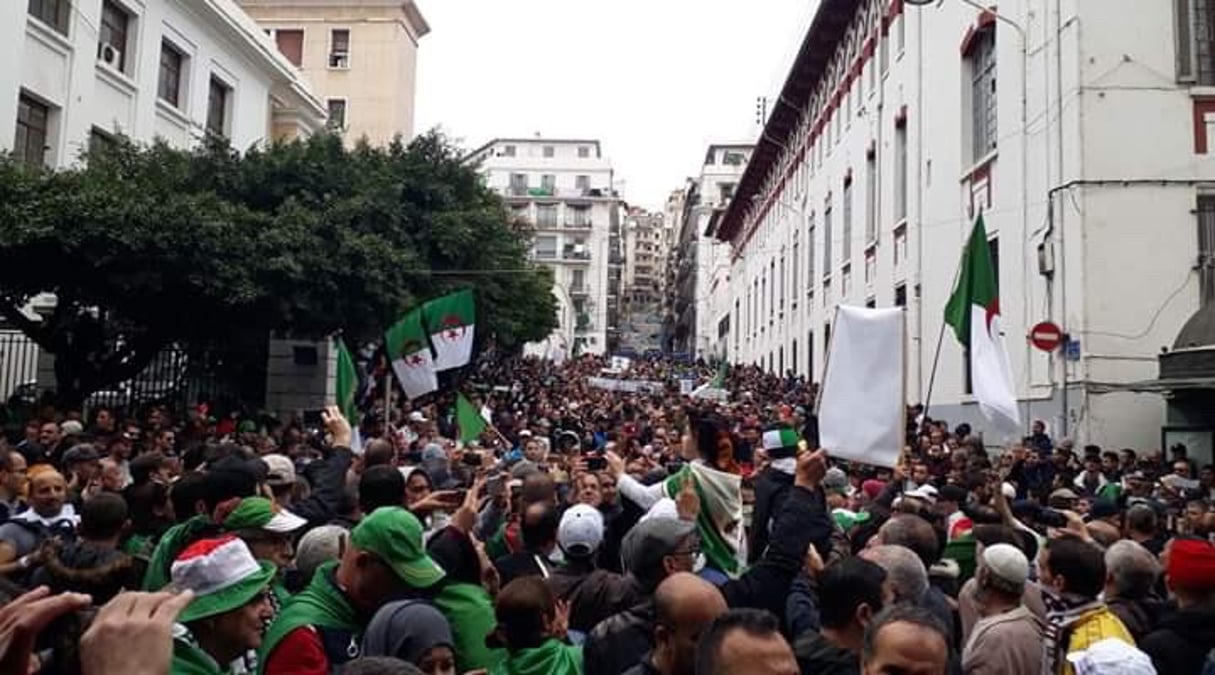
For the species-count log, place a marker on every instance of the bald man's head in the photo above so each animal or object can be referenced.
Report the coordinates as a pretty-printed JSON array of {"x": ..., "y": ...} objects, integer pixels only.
[
  {"x": 48, "y": 490},
  {"x": 685, "y": 606}
]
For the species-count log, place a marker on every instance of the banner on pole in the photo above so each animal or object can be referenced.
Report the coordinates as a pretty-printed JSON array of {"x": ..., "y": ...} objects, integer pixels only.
[{"x": 861, "y": 409}]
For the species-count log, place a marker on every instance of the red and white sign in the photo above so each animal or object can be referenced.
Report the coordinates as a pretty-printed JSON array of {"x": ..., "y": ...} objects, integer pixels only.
[{"x": 1046, "y": 336}]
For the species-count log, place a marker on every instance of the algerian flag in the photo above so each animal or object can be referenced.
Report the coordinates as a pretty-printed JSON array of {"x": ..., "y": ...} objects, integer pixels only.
[
  {"x": 470, "y": 422},
  {"x": 347, "y": 392},
  {"x": 347, "y": 383},
  {"x": 719, "y": 380},
  {"x": 720, "y": 522},
  {"x": 411, "y": 360},
  {"x": 450, "y": 321},
  {"x": 974, "y": 314}
]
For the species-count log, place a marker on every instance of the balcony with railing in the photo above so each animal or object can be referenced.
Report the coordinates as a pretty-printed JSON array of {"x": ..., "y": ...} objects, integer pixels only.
[
  {"x": 575, "y": 253},
  {"x": 579, "y": 290}
]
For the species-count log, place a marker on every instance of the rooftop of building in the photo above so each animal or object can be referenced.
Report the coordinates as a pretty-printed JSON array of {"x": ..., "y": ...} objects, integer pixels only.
[
  {"x": 538, "y": 140},
  {"x": 407, "y": 7},
  {"x": 826, "y": 31}
]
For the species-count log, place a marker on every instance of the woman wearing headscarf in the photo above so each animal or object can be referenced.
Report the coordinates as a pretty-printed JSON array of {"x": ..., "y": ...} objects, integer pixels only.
[{"x": 415, "y": 632}]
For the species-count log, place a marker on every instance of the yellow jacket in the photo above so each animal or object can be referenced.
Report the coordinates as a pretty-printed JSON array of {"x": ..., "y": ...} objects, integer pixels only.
[{"x": 1088, "y": 629}]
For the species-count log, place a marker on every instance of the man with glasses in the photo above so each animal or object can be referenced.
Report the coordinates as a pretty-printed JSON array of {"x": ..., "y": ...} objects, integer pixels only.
[
  {"x": 224, "y": 621},
  {"x": 659, "y": 547},
  {"x": 268, "y": 531}
]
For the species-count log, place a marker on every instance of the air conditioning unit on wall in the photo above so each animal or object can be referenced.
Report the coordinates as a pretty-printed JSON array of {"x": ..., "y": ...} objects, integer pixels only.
[{"x": 108, "y": 54}]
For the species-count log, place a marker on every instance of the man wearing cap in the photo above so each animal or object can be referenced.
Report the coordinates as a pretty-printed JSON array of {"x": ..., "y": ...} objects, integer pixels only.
[
  {"x": 231, "y": 603},
  {"x": 1008, "y": 637},
  {"x": 1184, "y": 642},
  {"x": 267, "y": 530},
  {"x": 327, "y": 477},
  {"x": 592, "y": 594},
  {"x": 772, "y": 486},
  {"x": 321, "y": 627},
  {"x": 658, "y": 547}
]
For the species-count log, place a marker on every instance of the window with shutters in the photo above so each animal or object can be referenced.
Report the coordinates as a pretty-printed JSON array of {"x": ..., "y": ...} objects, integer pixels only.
[
  {"x": 1206, "y": 248},
  {"x": 54, "y": 13},
  {"x": 1195, "y": 30},
  {"x": 846, "y": 242},
  {"x": 339, "y": 48},
  {"x": 337, "y": 114},
  {"x": 218, "y": 95},
  {"x": 168, "y": 85},
  {"x": 982, "y": 64},
  {"x": 33, "y": 130},
  {"x": 112, "y": 36},
  {"x": 291, "y": 44}
]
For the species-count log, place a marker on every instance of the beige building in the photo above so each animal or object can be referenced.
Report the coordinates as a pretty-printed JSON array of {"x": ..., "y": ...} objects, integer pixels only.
[{"x": 359, "y": 55}]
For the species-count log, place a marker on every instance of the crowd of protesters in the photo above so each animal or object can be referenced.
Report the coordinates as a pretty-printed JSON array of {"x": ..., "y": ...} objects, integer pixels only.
[{"x": 630, "y": 528}]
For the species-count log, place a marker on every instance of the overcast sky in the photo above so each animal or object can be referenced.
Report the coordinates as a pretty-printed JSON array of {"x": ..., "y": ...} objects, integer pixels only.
[{"x": 655, "y": 80}]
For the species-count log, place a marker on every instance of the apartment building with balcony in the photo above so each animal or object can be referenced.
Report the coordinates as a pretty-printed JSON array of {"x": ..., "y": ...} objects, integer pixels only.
[
  {"x": 564, "y": 189},
  {"x": 360, "y": 55},
  {"x": 701, "y": 270},
  {"x": 1080, "y": 131},
  {"x": 77, "y": 72},
  {"x": 644, "y": 259}
]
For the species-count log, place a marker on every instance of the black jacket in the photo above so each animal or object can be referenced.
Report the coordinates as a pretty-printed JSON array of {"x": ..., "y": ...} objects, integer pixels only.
[
  {"x": 818, "y": 656},
  {"x": 593, "y": 595},
  {"x": 1139, "y": 616},
  {"x": 1182, "y": 643},
  {"x": 617, "y": 643},
  {"x": 523, "y": 564},
  {"x": 327, "y": 479},
  {"x": 771, "y": 489}
]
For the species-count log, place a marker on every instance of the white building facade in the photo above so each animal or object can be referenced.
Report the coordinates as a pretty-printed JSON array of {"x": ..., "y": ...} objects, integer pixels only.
[
  {"x": 564, "y": 189},
  {"x": 74, "y": 72},
  {"x": 1079, "y": 130}
]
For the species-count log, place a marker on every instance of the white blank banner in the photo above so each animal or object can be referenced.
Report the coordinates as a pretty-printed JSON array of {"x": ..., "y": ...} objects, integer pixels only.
[{"x": 861, "y": 414}]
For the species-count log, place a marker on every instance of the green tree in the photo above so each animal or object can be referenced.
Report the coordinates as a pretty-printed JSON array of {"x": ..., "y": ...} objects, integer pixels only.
[{"x": 148, "y": 246}]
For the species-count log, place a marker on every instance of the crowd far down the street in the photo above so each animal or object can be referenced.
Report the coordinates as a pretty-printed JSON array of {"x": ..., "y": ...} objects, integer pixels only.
[{"x": 593, "y": 516}]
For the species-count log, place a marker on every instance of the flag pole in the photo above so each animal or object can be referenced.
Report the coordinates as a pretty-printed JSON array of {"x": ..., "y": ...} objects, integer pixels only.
[
  {"x": 388, "y": 397},
  {"x": 932, "y": 376}
]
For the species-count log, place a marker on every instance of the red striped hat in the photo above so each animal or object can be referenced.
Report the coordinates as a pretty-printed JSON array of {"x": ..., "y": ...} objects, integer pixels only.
[{"x": 223, "y": 575}]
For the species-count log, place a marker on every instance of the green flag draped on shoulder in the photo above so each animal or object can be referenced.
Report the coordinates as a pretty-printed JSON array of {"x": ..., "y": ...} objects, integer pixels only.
[
  {"x": 468, "y": 420},
  {"x": 450, "y": 321},
  {"x": 973, "y": 312},
  {"x": 410, "y": 356}
]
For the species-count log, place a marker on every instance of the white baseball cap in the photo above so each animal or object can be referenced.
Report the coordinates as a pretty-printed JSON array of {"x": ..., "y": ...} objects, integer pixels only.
[
  {"x": 417, "y": 416},
  {"x": 581, "y": 530},
  {"x": 280, "y": 469},
  {"x": 926, "y": 492}
]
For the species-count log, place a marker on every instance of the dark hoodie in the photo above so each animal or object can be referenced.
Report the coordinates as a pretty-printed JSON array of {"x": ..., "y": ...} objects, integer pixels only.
[
  {"x": 816, "y": 654},
  {"x": 1182, "y": 643},
  {"x": 1139, "y": 616}
]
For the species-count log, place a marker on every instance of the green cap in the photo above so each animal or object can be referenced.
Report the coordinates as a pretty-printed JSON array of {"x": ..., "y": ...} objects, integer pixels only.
[
  {"x": 395, "y": 535},
  {"x": 259, "y": 513}
]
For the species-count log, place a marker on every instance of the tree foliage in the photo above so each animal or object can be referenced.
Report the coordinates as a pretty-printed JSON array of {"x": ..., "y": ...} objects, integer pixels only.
[{"x": 147, "y": 246}]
